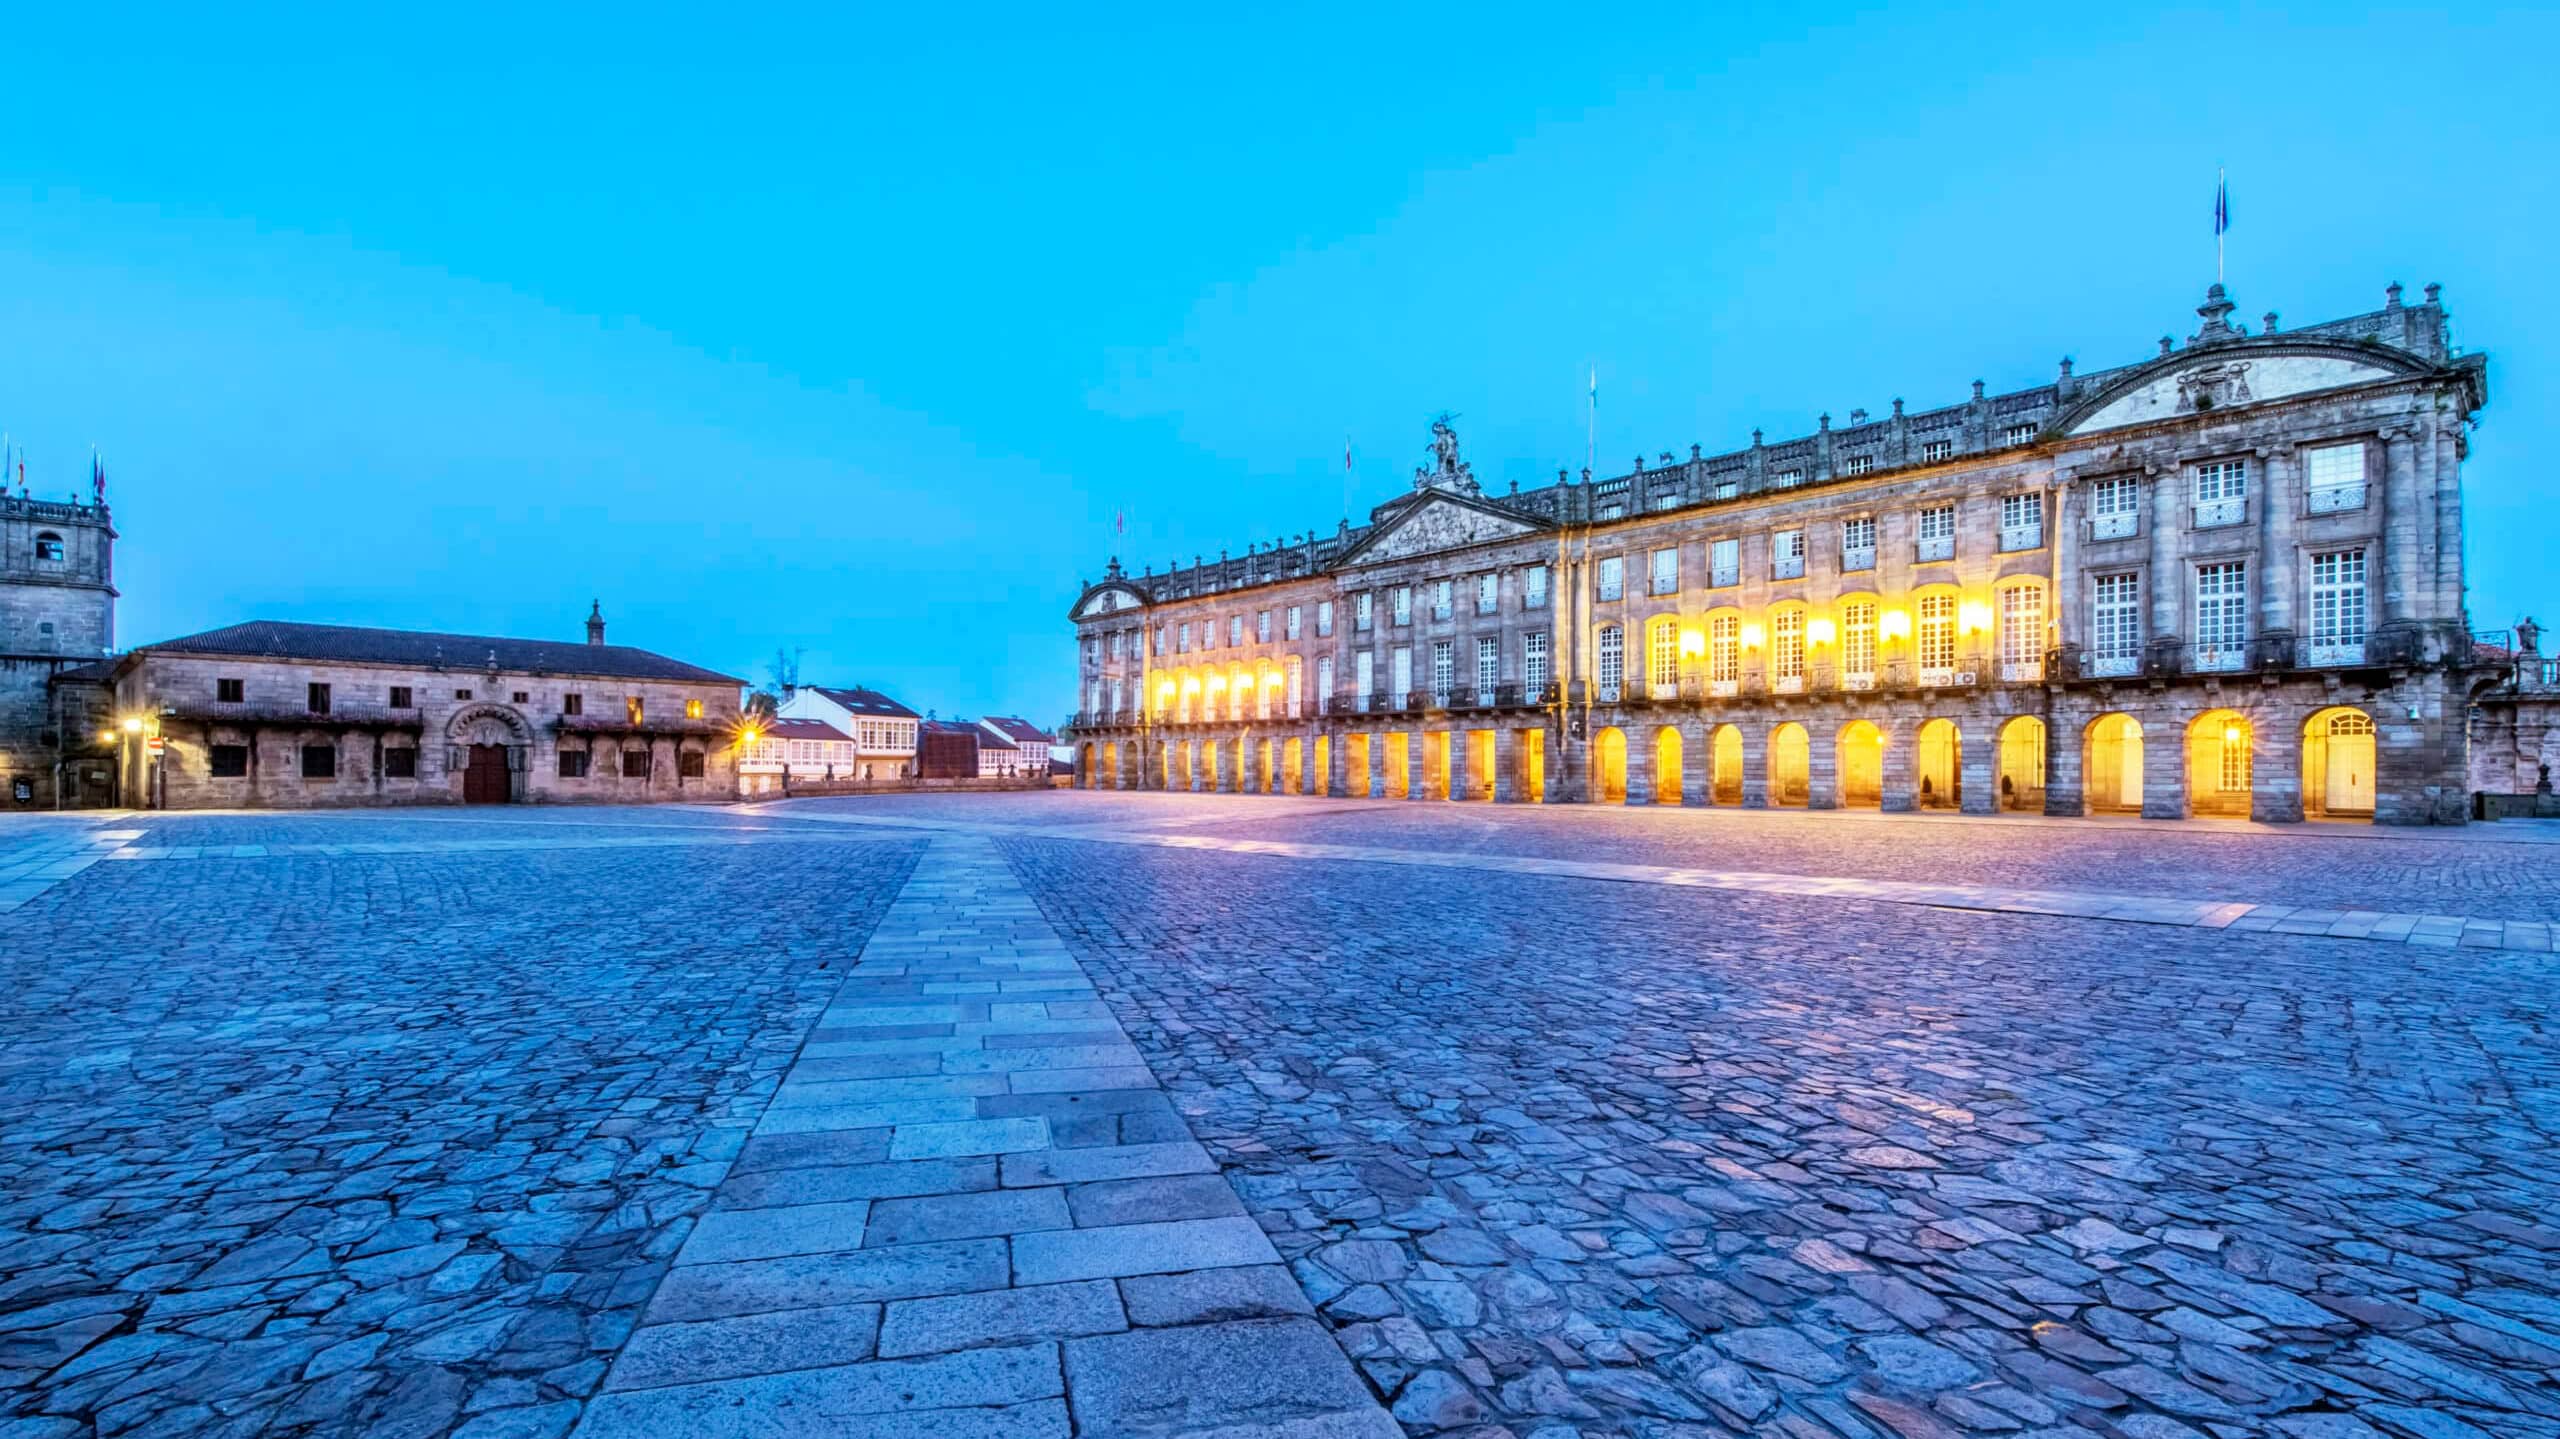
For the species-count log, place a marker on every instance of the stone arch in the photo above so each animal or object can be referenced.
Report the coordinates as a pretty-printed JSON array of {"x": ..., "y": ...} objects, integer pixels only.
[
  {"x": 2020, "y": 780},
  {"x": 2221, "y": 763},
  {"x": 1790, "y": 766},
  {"x": 1666, "y": 765},
  {"x": 1111, "y": 765},
  {"x": 1861, "y": 755},
  {"x": 1609, "y": 766},
  {"x": 1937, "y": 778},
  {"x": 2338, "y": 758},
  {"x": 1724, "y": 765},
  {"x": 487, "y": 723},
  {"x": 2111, "y": 764}
]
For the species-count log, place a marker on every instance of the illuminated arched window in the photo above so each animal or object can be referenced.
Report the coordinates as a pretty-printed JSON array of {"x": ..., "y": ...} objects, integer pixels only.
[
  {"x": 1724, "y": 648},
  {"x": 1858, "y": 643},
  {"x": 1937, "y": 638},
  {"x": 1786, "y": 648}
]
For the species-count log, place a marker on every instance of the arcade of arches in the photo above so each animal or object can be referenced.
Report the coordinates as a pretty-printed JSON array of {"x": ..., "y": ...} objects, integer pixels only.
[{"x": 2222, "y": 763}]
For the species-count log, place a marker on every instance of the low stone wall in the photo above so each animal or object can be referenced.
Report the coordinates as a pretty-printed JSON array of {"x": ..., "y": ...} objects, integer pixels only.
[{"x": 2488, "y": 806}]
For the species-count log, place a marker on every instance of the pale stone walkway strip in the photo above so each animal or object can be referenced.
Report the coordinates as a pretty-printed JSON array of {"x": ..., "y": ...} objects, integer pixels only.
[
  {"x": 45, "y": 858},
  {"x": 970, "y": 1211}
]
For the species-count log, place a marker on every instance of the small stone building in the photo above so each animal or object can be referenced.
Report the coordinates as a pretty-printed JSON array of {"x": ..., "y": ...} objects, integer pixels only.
[
  {"x": 270, "y": 714},
  {"x": 57, "y": 617}
]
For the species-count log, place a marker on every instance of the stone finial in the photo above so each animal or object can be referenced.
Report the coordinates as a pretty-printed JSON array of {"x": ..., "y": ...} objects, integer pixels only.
[
  {"x": 1694, "y": 452},
  {"x": 1563, "y": 476},
  {"x": 1515, "y": 484},
  {"x": 1977, "y": 389},
  {"x": 1897, "y": 407},
  {"x": 2433, "y": 291},
  {"x": 595, "y": 622},
  {"x": 2391, "y": 296},
  {"x": 2216, "y": 314},
  {"x": 1826, "y": 420},
  {"x": 2165, "y": 343},
  {"x": 1586, "y": 474},
  {"x": 1666, "y": 461},
  {"x": 1639, "y": 469},
  {"x": 1755, "y": 438},
  {"x": 1857, "y": 417},
  {"x": 2066, "y": 367},
  {"x": 2267, "y": 323}
]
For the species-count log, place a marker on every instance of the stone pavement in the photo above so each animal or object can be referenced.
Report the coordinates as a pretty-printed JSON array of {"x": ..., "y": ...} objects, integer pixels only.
[
  {"x": 970, "y": 1211},
  {"x": 49, "y": 849}
]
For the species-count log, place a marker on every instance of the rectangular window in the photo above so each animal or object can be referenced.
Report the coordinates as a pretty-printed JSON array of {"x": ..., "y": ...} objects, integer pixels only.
[
  {"x": 1858, "y": 544},
  {"x": 1932, "y": 451},
  {"x": 316, "y": 698},
  {"x": 1442, "y": 663},
  {"x": 573, "y": 764},
  {"x": 521, "y": 697},
  {"x": 1786, "y": 555},
  {"x": 693, "y": 709},
  {"x": 1533, "y": 662},
  {"x": 1789, "y": 479},
  {"x": 1724, "y": 652},
  {"x": 319, "y": 761},
  {"x": 2115, "y": 625},
  {"x": 2115, "y": 508},
  {"x": 1182, "y": 646},
  {"x": 1235, "y": 629},
  {"x": 1937, "y": 533},
  {"x": 1611, "y": 662},
  {"x": 1786, "y": 651},
  {"x": 1324, "y": 677},
  {"x": 632, "y": 709},
  {"x": 1857, "y": 464},
  {"x": 2222, "y": 493},
  {"x": 2021, "y": 522},
  {"x": 1666, "y": 571},
  {"x": 1858, "y": 644},
  {"x": 1724, "y": 563},
  {"x": 230, "y": 761},
  {"x": 2334, "y": 476},
  {"x": 401, "y": 763},
  {"x": 1324, "y": 619},
  {"x": 1262, "y": 627},
  {"x": 230, "y": 692},
  {"x": 2022, "y": 633},
  {"x": 635, "y": 763},
  {"x": 2338, "y": 607},
  {"x": 1443, "y": 599},
  {"x": 1488, "y": 593},
  {"x": 573, "y": 704},
  {"x": 1364, "y": 676},
  {"x": 1112, "y": 646},
  {"x": 689, "y": 763},
  {"x": 1488, "y": 667},
  {"x": 1662, "y": 657},
  {"x": 1613, "y": 577},
  {"x": 1402, "y": 600},
  {"x": 1400, "y": 672},
  {"x": 2020, "y": 434},
  {"x": 1670, "y": 501},
  {"x": 1727, "y": 490},
  {"x": 1937, "y": 642},
  {"x": 1290, "y": 628},
  {"x": 400, "y": 699},
  {"x": 2222, "y": 615},
  {"x": 1361, "y": 604},
  {"x": 1533, "y": 587},
  {"x": 462, "y": 694}
]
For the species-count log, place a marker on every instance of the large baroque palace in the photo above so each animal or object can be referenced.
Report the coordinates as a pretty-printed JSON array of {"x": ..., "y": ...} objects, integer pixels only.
[{"x": 2225, "y": 580}]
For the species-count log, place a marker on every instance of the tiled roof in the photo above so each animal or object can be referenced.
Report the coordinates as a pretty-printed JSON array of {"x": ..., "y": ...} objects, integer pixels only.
[
  {"x": 1020, "y": 731},
  {"x": 803, "y": 729},
  {"x": 988, "y": 739},
  {"x": 866, "y": 702},
  {"x": 423, "y": 649},
  {"x": 947, "y": 727}
]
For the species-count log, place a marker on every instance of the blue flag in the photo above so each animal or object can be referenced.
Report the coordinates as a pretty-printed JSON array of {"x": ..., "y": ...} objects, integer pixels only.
[{"x": 2221, "y": 205}]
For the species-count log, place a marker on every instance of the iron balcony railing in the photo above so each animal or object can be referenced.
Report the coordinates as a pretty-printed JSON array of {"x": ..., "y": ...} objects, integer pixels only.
[{"x": 2335, "y": 499}]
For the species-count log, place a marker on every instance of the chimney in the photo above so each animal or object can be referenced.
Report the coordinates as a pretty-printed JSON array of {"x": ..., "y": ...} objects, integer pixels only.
[{"x": 595, "y": 622}]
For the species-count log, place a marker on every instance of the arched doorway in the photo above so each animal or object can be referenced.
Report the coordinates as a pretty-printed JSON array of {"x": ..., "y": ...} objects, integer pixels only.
[
  {"x": 1399, "y": 763},
  {"x": 2111, "y": 765},
  {"x": 1355, "y": 764},
  {"x": 1609, "y": 766},
  {"x": 1790, "y": 762},
  {"x": 1086, "y": 767},
  {"x": 1480, "y": 754},
  {"x": 2338, "y": 757},
  {"x": 1322, "y": 782},
  {"x": 491, "y": 742},
  {"x": 1938, "y": 775},
  {"x": 2021, "y": 781},
  {"x": 1111, "y": 765},
  {"x": 2221, "y": 762},
  {"x": 1435, "y": 764},
  {"x": 1724, "y": 769},
  {"x": 1666, "y": 765},
  {"x": 1861, "y": 766},
  {"x": 1533, "y": 765},
  {"x": 1293, "y": 759}
]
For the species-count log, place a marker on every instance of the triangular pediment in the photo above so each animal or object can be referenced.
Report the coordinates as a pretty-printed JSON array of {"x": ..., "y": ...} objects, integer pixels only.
[
  {"x": 1432, "y": 522},
  {"x": 2231, "y": 377}
]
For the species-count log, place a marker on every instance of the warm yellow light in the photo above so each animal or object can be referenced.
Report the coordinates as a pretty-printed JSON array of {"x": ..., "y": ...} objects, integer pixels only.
[
  {"x": 748, "y": 735},
  {"x": 2231, "y": 734},
  {"x": 1973, "y": 617},
  {"x": 133, "y": 724},
  {"x": 1217, "y": 683},
  {"x": 1191, "y": 684},
  {"x": 1693, "y": 642},
  {"x": 1244, "y": 682},
  {"x": 1820, "y": 632},
  {"x": 106, "y": 736},
  {"x": 1752, "y": 635},
  {"x": 1894, "y": 624},
  {"x": 1164, "y": 688}
]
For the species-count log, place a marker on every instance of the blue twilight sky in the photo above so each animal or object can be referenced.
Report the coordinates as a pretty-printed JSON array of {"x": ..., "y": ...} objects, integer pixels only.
[{"x": 850, "y": 331}]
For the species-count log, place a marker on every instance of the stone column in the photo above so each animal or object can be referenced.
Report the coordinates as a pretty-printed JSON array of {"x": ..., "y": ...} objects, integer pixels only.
[
  {"x": 2167, "y": 578},
  {"x": 1978, "y": 766},
  {"x": 1459, "y": 765},
  {"x": 2399, "y": 527},
  {"x": 1376, "y": 783},
  {"x": 1507, "y": 759},
  {"x": 1822, "y": 765},
  {"x": 1310, "y": 779},
  {"x": 1639, "y": 762},
  {"x": 1895, "y": 783},
  {"x": 2275, "y": 765},
  {"x": 2279, "y": 491},
  {"x": 1755, "y": 765},
  {"x": 1198, "y": 756},
  {"x": 2065, "y": 791},
  {"x": 2443, "y": 474},
  {"x": 1568, "y": 762},
  {"x": 1337, "y": 763},
  {"x": 2164, "y": 765},
  {"x": 1697, "y": 763},
  {"x": 2065, "y": 593},
  {"x": 1417, "y": 765}
]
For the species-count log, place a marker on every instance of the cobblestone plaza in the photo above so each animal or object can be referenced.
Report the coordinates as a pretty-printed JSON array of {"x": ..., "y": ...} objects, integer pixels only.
[{"x": 1163, "y": 1114}]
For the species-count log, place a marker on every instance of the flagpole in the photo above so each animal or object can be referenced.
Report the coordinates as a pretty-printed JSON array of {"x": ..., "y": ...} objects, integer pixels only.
[
  {"x": 2221, "y": 216},
  {"x": 1591, "y": 434}
]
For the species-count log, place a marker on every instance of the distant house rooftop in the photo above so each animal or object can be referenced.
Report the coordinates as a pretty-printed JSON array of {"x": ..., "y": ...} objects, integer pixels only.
[{"x": 865, "y": 702}]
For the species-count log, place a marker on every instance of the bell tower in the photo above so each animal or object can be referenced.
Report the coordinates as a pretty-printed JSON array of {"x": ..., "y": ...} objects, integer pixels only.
[{"x": 57, "y": 613}]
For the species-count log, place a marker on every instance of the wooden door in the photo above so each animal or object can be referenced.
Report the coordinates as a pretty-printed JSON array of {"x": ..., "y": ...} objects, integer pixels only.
[{"x": 485, "y": 781}]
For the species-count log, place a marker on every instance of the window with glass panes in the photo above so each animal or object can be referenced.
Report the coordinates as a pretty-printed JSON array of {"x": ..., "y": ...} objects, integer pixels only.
[
  {"x": 1488, "y": 667},
  {"x": 1786, "y": 645},
  {"x": 1666, "y": 572},
  {"x": 2021, "y": 630},
  {"x": 1290, "y": 625},
  {"x": 1610, "y": 650},
  {"x": 1324, "y": 677},
  {"x": 1786, "y": 554},
  {"x": 1724, "y": 562},
  {"x": 1364, "y": 672},
  {"x": 1262, "y": 626},
  {"x": 1938, "y": 523},
  {"x": 1403, "y": 596},
  {"x": 2114, "y": 507},
  {"x": 2222, "y": 480},
  {"x": 2222, "y": 611},
  {"x": 1488, "y": 592},
  {"x": 1724, "y": 648},
  {"x": 1183, "y": 645},
  {"x": 1613, "y": 577},
  {"x": 2338, "y": 600},
  {"x": 2333, "y": 476},
  {"x": 1533, "y": 662},
  {"x": 1324, "y": 619},
  {"x": 2115, "y": 617},
  {"x": 1441, "y": 591},
  {"x": 1858, "y": 543},
  {"x": 1400, "y": 671},
  {"x": 1937, "y": 632},
  {"x": 1441, "y": 665},
  {"x": 1235, "y": 628},
  {"x": 1858, "y": 638},
  {"x": 1533, "y": 586},
  {"x": 2021, "y": 514},
  {"x": 1662, "y": 653}
]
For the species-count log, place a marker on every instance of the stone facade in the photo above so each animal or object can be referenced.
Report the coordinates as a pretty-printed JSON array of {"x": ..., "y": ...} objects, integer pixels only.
[
  {"x": 57, "y": 613},
  {"x": 272, "y": 715},
  {"x": 2226, "y": 580}
]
